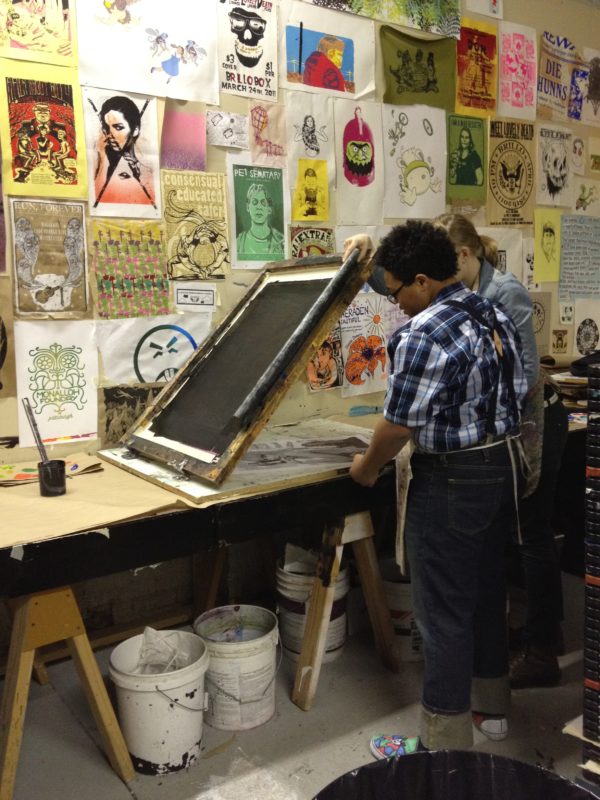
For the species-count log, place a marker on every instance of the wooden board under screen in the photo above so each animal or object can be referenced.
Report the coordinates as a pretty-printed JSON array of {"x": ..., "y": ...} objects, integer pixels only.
[{"x": 208, "y": 415}]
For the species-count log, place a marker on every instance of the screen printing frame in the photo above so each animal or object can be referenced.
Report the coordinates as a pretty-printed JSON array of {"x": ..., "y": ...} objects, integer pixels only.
[{"x": 344, "y": 280}]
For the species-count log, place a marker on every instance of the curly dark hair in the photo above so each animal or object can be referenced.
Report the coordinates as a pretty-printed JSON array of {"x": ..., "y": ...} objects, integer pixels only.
[{"x": 417, "y": 247}]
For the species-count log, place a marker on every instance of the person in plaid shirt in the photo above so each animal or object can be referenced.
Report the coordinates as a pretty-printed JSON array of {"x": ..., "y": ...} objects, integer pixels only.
[{"x": 455, "y": 389}]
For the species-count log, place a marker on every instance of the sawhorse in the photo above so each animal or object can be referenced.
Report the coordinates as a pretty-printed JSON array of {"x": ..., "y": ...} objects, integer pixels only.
[
  {"x": 40, "y": 619},
  {"x": 357, "y": 530}
]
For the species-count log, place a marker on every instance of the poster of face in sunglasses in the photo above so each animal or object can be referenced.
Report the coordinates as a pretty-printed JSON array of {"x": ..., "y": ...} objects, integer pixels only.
[{"x": 248, "y": 48}]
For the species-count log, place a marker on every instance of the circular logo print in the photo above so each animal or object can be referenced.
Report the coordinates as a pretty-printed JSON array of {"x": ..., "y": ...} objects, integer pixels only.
[
  {"x": 588, "y": 336},
  {"x": 511, "y": 174},
  {"x": 161, "y": 351}
]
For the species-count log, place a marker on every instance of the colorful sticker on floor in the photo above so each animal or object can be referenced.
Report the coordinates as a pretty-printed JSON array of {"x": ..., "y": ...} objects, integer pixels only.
[{"x": 49, "y": 256}]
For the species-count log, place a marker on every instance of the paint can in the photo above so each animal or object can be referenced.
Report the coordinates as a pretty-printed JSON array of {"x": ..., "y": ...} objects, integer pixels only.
[
  {"x": 399, "y": 601},
  {"x": 294, "y": 583},
  {"x": 242, "y": 644},
  {"x": 161, "y": 714}
]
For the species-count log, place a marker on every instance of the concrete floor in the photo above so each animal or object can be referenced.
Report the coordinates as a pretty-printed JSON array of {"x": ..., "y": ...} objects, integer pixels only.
[{"x": 296, "y": 753}]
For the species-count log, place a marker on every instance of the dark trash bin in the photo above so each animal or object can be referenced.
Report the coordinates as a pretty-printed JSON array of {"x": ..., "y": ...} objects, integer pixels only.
[{"x": 452, "y": 775}]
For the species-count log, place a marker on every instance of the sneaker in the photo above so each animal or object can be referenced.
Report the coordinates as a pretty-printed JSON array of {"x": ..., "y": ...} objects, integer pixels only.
[
  {"x": 383, "y": 746},
  {"x": 533, "y": 668},
  {"x": 494, "y": 727}
]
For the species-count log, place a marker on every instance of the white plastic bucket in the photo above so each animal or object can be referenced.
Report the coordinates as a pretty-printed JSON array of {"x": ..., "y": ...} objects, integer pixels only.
[
  {"x": 294, "y": 584},
  {"x": 242, "y": 643},
  {"x": 161, "y": 714},
  {"x": 399, "y": 601}
]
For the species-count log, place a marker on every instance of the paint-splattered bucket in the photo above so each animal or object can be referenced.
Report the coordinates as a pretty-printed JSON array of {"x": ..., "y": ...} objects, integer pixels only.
[
  {"x": 295, "y": 582},
  {"x": 398, "y": 595},
  {"x": 242, "y": 644},
  {"x": 160, "y": 714}
]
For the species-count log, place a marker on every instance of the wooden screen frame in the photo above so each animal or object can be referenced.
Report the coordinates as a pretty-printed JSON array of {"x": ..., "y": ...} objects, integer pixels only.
[{"x": 345, "y": 280}]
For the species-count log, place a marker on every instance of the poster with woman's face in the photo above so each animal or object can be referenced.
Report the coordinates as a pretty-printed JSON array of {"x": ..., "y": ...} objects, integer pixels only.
[
  {"x": 467, "y": 157},
  {"x": 260, "y": 212},
  {"x": 121, "y": 135}
]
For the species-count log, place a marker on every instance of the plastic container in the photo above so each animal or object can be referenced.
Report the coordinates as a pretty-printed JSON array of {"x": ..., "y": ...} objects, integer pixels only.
[{"x": 398, "y": 596}]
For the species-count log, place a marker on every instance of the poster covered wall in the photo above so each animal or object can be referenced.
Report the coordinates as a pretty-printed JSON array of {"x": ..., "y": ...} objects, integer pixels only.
[{"x": 247, "y": 47}]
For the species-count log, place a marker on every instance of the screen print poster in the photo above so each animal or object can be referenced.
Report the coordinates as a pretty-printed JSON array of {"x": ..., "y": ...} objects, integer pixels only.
[
  {"x": 41, "y": 131},
  {"x": 49, "y": 257},
  {"x": 415, "y": 161},
  {"x": 547, "y": 245},
  {"x": 476, "y": 68},
  {"x": 259, "y": 199},
  {"x": 364, "y": 341},
  {"x": 434, "y": 16},
  {"x": 127, "y": 258},
  {"x": 418, "y": 71},
  {"x": 562, "y": 78},
  {"x": 467, "y": 159},
  {"x": 311, "y": 240},
  {"x": 183, "y": 136},
  {"x": 247, "y": 48},
  {"x": 268, "y": 137},
  {"x": 326, "y": 52},
  {"x": 511, "y": 173},
  {"x": 591, "y": 103},
  {"x": 310, "y": 131},
  {"x": 517, "y": 79},
  {"x": 197, "y": 246},
  {"x": 152, "y": 47},
  {"x": 122, "y": 145},
  {"x": 554, "y": 179},
  {"x": 359, "y": 162},
  {"x": 43, "y": 30},
  {"x": 310, "y": 199},
  {"x": 57, "y": 370}
]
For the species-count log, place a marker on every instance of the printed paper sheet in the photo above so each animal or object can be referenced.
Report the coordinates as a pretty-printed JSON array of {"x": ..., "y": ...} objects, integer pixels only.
[
  {"x": 121, "y": 132},
  {"x": 227, "y": 130},
  {"x": 562, "y": 78},
  {"x": 587, "y": 196},
  {"x": 57, "y": 370},
  {"x": 183, "y": 136},
  {"x": 415, "y": 161},
  {"x": 554, "y": 181},
  {"x": 310, "y": 198},
  {"x": 326, "y": 52},
  {"x": 49, "y": 257},
  {"x": 41, "y": 131},
  {"x": 268, "y": 135},
  {"x": 488, "y": 8},
  {"x": 120, "y": 407},
  {"x": 169, "y": 48},
  {"x": 547, "y": 244},
  {"x": 587, "y": 326},
  {"x": 580, "y": 257},
  {"x": 259, "y": 201},
  {"x": 248, "y": 48},
  {"x": 476, "y": 68},
  {"x": 197, "y": 242},
  {"x": 128, "y": 261},
  {"x": 149, "y": 350},
  {"x": 511, "y": 173},
  {"x": 590, "y": 84},
  {"x": 359, "y": 162},
  {"x": 418, "y": 71},
  {"x": 310, "y": 131},
  {"x": 467, "y": 159},
  {"x": 43, "y": 30},
  {"x": 364, "y": 341},
  {"x": 311, "y": 240},
  {"x": 517, "y": 74}
]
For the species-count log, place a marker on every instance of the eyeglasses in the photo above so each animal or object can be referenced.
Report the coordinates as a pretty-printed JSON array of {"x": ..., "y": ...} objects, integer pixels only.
[{"x": 392, "y": 297}]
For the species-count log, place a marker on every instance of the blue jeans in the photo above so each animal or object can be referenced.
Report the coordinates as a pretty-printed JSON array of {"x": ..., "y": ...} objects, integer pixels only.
[{"x": 460, "y": 514}]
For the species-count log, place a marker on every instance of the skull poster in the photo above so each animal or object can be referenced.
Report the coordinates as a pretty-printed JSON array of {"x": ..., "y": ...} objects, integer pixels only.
[
  {"x": 359, "y": 162},
  {"x": 197, "y": 246},
  {"x": 510, "y": 173},
  {"x": 476, "y": 67},
  {"x": 562, "y": 78},
  {"x": 547, "y": 253},
  {"x": 121, "y": 134},
  {"x": 326, "y": 52},
  {"x": 166, "y": 49},
  {"x": 128, "y": 261},
  {"x": 415, "y": 161},
  {"x": 554, "y": 181},
  {"x": 41, "y": 131},
  {"x": 49, "y": 257},
  {"x": 57, "y": 370},
  {"x": 247, "y": 48},
  {"x": 517, "y": 78}
]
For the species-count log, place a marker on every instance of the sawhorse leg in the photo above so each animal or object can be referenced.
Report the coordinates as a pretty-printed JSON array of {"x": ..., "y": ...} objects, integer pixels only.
[
  {"x": 40, "y": 619},
  {"x": 357, "y": 530}
]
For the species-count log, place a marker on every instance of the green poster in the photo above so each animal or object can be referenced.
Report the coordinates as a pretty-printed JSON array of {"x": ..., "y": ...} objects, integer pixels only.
[
  {"x": 418, "y": 70},
  {"x": 467, "y": 159}
]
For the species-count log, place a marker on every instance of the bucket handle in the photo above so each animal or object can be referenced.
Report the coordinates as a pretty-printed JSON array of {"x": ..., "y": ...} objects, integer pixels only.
[
  {"x": 254, "y": 699},
  {"x": 181, "y": 705}
]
